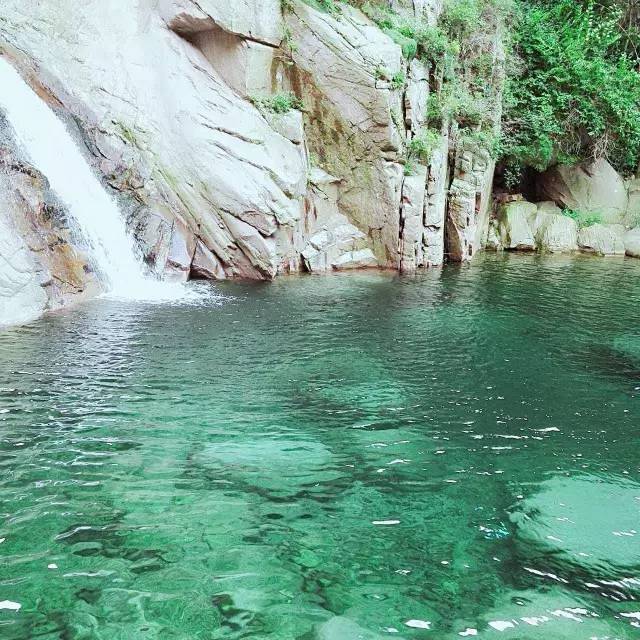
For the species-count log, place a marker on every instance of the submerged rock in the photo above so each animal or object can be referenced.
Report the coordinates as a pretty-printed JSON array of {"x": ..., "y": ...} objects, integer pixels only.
[
  {"x": 584, "y": 522},
  {"x": 536, "y": 614}
]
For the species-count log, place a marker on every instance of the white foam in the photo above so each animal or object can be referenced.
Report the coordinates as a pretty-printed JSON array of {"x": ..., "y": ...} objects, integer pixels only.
[{"x": 94, "y": 213}]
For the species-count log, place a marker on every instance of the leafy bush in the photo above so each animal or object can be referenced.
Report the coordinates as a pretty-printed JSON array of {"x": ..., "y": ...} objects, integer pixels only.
[
  {"x": 399, "y": 80},
  {"x": 278, "y": 103},
  {"x": 582, "y": 218},
  {"x": 576, "y": 94},
  {"x": 422, "y": 146},
  {"x": 328, "y": 6}
]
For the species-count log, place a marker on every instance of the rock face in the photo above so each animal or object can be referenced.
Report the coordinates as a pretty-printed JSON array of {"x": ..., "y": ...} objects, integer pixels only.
[
  {"x": 593, "y": 188},
  {"x": 469, "y": 201},
  {"x": 172, "y": 102},
  {"x": 21, "y": 297}
]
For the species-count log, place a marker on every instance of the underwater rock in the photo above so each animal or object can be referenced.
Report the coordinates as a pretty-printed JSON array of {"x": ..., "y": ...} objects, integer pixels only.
[{"x": 584, "y": 523}]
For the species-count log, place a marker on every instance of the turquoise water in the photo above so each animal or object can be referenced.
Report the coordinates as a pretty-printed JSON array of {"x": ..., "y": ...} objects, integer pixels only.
[{"x": 344, "y": 458}]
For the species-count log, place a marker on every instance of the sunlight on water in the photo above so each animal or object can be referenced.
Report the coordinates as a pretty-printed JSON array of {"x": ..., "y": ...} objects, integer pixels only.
[{"x": 355, "y": 457}]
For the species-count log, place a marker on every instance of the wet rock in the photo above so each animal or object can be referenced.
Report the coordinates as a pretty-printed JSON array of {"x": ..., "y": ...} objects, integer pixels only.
[
  {"x": 22, "y": 299},
  {"x": 494, "y": 243},
  {"x": 604, "y": 240},
  {"x": 362, "y": 259},
  {"x": 181, "y": 250},
  {"x": 206, "y": 265}
]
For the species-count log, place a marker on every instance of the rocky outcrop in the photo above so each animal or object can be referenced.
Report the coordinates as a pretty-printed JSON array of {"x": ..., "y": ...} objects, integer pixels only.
[
  {"x": 526, "y": 226},
  {"x": 469, "y": 201},
  {"x": 342, "y": 67},
  {"x": 22, "y": 297},
  {"x": 208, "y": 161},
  {"x": 594, "y": 188},
  {"x": 40, "y": 266},
  {"x": 184, "y": 109},
  {"x": 334, "y": 243}
]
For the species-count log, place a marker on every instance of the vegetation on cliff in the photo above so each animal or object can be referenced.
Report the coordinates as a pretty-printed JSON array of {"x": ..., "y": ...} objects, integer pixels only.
[
  {"x": 574, "y": 87},
  {"x": 572, "y": 90}
]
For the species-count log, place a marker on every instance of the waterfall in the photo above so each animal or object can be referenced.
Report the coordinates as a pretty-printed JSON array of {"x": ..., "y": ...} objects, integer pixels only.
[{"x": 52, "y": 150}]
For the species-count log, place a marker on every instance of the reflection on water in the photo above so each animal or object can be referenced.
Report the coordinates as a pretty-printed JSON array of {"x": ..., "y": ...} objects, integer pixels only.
[{"x": 342, "y": 458}]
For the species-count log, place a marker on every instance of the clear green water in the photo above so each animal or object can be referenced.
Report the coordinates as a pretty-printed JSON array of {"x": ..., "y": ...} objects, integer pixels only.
[{"x": 330, "y": 458}]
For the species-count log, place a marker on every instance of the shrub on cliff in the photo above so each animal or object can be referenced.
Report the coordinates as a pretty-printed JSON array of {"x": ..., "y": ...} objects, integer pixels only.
[{"x": 575, "y": 93}]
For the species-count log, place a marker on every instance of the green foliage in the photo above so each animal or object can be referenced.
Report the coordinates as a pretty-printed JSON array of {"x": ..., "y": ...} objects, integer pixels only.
[
  {"x": 582, "y": 218},
  {"x": 422, "y": 146},
  {"x": 414, "y": 35},
  {"x": 398, "y": 81},
  {"x": 278, "y": 103},
  {"x": 575, "y": 94},
  {"x": 288, "y": 43},
  {"x": 328, "y": 6}
]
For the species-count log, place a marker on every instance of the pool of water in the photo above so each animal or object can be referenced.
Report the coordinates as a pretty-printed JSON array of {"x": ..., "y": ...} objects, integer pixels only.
[{"x": 351, "y": 457}]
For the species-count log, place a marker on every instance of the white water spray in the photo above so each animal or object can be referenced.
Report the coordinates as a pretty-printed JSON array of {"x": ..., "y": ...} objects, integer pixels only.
[{"x": 52, "y": 150}]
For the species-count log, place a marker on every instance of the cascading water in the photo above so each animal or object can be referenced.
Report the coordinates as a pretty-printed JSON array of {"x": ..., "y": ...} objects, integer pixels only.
[{"x": 54, "y": 153}]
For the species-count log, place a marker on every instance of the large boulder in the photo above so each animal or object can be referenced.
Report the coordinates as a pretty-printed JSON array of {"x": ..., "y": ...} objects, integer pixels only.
[
  {"x": 633, "y": 211},
  {"x": 602, "y": 239},
  {"x": 514, "y": 227},
  {"x": 590, "y": 188},
  {"x": 632, "y": 242},
  {"x": 554, "y": 232}
]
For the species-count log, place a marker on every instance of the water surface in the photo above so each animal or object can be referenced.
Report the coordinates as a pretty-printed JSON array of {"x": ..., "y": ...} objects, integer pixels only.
[{"x": 353, "y": 457}]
